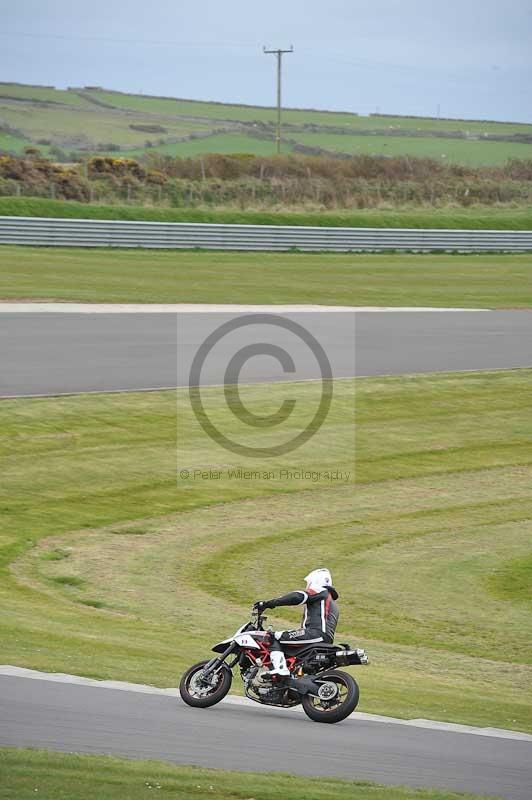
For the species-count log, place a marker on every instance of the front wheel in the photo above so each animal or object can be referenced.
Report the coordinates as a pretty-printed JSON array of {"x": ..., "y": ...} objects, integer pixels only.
[
  {"x": 201, "y": 693},
  {"x": 337, "y": 698}
]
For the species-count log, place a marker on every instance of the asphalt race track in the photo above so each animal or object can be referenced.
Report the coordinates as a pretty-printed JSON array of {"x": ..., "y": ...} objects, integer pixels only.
[
  {"x": 59, "y": 716},
  {"x": 43, "y": 353}
]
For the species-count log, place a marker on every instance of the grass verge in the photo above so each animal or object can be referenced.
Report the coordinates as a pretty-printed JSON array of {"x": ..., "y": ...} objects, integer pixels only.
[
  {"x": 53, "y": 776},
  {"x": 170, "y": 276},
  {"x": 112, "y": 569},
  {"x": 475, "y": 217}
]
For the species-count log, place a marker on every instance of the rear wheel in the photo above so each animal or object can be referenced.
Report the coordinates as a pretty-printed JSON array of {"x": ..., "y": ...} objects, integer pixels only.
[
  {"x": 201, "y": 692},
  {"x": 337, "y": 698}
]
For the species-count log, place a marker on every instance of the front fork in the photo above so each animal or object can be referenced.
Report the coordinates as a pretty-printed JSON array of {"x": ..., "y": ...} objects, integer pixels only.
[{"x": 215, "y": 664}]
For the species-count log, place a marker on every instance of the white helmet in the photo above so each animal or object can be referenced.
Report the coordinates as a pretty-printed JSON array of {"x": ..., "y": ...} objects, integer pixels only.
[{"x": 318, "y": 580}]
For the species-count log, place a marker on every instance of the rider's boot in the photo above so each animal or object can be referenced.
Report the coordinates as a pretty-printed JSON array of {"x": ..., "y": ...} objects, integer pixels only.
[{"x": 279, "y": 665}]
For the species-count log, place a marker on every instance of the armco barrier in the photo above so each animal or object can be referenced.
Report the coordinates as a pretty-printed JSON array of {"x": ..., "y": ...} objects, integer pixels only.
[{"x": 119, "y": 233}]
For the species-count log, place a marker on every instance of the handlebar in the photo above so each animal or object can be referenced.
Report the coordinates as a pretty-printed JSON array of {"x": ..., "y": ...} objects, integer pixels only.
[{"x": 261, "y": 619}]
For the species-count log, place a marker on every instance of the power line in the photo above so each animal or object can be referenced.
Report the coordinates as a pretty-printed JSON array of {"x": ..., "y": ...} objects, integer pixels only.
[
  {"x": 279, "y": 53},
  {"x": 111, "y": 40}
]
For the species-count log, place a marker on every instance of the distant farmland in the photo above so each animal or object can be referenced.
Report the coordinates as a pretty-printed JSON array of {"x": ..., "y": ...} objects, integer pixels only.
[
  {"x": 227, "y": 143},
  {"x": 75, "y": 122},
  {"x": 225, "y": 111},
  {"x": 462, "y": 151}
]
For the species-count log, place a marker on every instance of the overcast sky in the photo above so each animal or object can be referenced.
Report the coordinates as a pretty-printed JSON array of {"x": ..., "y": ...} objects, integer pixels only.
[{"x": 472, "y": 58}]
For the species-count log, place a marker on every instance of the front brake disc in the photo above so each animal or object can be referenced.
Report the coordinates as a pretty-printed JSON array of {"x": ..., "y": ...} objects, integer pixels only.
[{"x": 199, "y": 686}]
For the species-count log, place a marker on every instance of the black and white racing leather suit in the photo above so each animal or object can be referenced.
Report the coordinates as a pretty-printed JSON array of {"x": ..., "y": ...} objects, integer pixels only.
[{"x": 320, "y": 616}]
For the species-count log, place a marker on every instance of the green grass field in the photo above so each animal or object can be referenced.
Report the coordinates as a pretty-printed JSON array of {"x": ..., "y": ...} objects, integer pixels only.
[
  {"x": 43, "y": 94},
  {"x": 463, "y": 151},
  {"x": 83, "y": 120},
  {"x": 13, "y": 143},
  {"x": 59, "y": 776},
  {"x": 218, "y": 143},
  {"x": 242, "y": 113},
  {"x": 173, "y": 276},
  {"x": 472, "y": 218},
  {"x": 111, "y": 567},
  {"x": 93, "y": 124},
  {"x": 470, "y": 152}
]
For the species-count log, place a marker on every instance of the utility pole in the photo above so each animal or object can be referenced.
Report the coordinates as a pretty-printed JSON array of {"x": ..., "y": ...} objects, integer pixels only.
[{"x": 279, "y": 53}]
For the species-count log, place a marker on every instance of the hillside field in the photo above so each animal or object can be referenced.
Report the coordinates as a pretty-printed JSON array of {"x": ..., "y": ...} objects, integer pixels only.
[{"x": 85, "y": 120}]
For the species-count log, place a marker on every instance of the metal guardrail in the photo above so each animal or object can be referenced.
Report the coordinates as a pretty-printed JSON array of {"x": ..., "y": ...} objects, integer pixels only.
[{"x": 119, "y": 233}]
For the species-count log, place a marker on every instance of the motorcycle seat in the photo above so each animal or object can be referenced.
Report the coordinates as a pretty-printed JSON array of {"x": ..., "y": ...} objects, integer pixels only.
[{"x": 301, "y": 647}]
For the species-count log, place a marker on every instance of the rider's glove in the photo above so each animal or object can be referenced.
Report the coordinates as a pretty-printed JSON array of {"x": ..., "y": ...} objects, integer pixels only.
[{"x": 260, "y": 605}]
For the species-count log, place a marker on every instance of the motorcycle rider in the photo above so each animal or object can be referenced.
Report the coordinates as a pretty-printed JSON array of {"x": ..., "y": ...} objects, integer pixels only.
[{"x": 320, "y": 617}]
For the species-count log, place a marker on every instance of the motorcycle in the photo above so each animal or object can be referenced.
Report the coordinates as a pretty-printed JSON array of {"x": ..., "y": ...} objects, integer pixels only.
[{"x": 326, "y": 693}]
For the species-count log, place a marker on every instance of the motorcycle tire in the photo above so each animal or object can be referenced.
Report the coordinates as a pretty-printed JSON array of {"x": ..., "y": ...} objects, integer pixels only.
[
  {"x": 328, "y": 711},
  {"x": 211, "y": 698}
]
